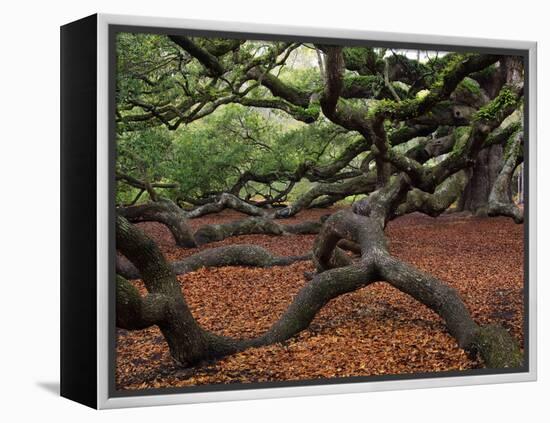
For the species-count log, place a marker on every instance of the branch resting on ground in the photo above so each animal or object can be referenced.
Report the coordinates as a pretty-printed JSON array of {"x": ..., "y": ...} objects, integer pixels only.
[{"x": 189, "y": 343}]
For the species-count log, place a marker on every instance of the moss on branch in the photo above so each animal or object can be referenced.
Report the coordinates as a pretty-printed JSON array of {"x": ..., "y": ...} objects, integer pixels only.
[{"x": 491, "y": 111}]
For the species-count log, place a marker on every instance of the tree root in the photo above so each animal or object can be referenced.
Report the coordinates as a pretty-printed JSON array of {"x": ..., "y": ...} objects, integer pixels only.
[
  {"x": 231, "y": 255},
  {"x": 252, "y": 225},
  {"x": 190, "y": 343}
]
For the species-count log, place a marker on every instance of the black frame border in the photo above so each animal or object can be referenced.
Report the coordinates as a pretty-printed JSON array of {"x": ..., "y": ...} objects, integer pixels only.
[{"x": 78, "y": 211}]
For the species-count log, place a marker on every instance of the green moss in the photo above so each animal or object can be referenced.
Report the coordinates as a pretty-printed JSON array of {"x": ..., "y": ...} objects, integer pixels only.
[
  {"x": 313, "y": 110},
  {"x": 309, "y": 114},
  {"x": 486, "y": 73},
  {"x": 421, "y": 94},
  {"x": 440, "y": 108},
  {"x": 410, "y": 107},
  {"x": 453, "y": 60},
  {"x": 375, "y": 83},
  {"x": 497, "y": 136},
  {"x": 497, "y": 348},
  {"x": 362, "y": 59},
  {"x": 461, "y": 132},
  {"x": 401, "y": 89},
  {"x": 354, "y": 54},
  {"x": 461, "y": 136},
  {"x": 407, "y": 106},
  {"x": 218, "y": 46},
  {"x": 470, "y": 85},
  {"x": 491, "y": 110},
  {"x": 512, "y": 147},
  {"x": 413, "y": 67}
]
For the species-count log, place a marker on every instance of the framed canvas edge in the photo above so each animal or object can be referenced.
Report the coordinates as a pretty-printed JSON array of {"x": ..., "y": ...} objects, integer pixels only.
[{"x": 103, "y": 356}]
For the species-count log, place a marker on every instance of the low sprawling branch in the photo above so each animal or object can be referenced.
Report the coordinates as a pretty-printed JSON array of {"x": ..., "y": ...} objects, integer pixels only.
[
  {"x": 208, "y": 60},
  {"x": 252, "y": 225},
  {"x": 226, "y": 200},
  {"x": 231, "y": 255},
  {"x": 163, "y": 211},
  {"x": 434, "y": 204},
  {"x": 190, "y": 343}
]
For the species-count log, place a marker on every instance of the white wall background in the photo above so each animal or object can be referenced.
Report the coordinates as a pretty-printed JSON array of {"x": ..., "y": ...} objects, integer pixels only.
[{"x": 29, "y": 215}]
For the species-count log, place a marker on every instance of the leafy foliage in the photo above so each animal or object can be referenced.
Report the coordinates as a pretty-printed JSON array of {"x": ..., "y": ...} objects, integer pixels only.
[
  {"x": 231, "y": 107},
  {"x": 209, "y": 155}
]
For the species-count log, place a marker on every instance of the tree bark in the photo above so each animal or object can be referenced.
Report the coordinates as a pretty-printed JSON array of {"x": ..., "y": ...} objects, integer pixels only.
[
  {"x": 482, "y": 177},
  {"x": 358, "y": 185},
  {"x": 232, "y": 255},
  {"x": 227, "y": 200},
  {"x": 189, "y": 343},
  {"x": 500, "y": 198},
  {"x": 163, "y": 211},
  {"x": 252, "y": 225}
]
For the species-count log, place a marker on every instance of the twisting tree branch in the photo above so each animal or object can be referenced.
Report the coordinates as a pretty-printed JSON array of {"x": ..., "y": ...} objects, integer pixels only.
[
  {"x": 500, "y": 199},
  {"x": 208, "y": 60},
  {"x": 190, "y": 343}
]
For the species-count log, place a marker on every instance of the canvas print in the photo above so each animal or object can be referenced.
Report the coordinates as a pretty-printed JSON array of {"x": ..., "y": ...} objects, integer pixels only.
[{"x": 294, "y": 211}]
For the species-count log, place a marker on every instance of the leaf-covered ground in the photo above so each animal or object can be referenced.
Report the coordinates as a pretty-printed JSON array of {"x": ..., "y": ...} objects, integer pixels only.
[{"x": 373, "y": 331}]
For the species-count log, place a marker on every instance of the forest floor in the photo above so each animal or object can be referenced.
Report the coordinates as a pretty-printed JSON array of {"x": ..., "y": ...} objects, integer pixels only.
[{"x": 376, "y": 330}]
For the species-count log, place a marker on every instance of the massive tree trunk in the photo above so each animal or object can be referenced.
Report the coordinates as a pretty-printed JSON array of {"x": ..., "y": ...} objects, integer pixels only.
[
  {"x": 489, "y": 161},
  {"x": 483, "y": 175}
]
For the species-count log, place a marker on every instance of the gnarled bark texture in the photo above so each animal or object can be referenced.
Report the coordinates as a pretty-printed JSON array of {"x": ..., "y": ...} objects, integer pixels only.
[
  {"x": 163, "y": 211},
  {"x": 165, "y": 305},
  {"x": 500, "y": 198},
  {"x": 483, "y": 175},
  {"x": 252, "y": 225},
  {"x": 227, "y": 200},
  {"x": 231, "y": 255}
]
